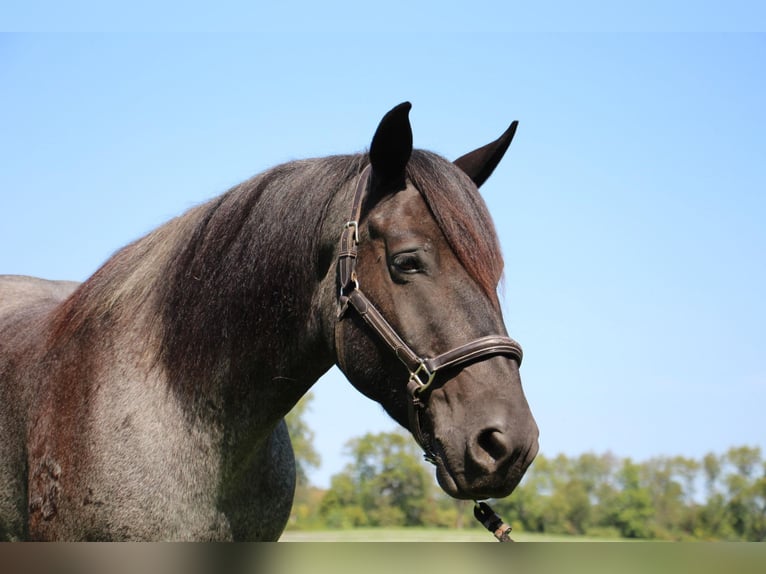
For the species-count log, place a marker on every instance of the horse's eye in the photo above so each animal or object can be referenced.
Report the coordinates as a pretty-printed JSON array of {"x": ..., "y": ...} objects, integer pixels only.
[{"x": 406, "y": 263}]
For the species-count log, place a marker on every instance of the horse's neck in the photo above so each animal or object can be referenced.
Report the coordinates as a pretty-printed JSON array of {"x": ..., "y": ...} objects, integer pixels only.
[
  {"x": 255, "y": 315},
  {"x": 226, "y": 315}
]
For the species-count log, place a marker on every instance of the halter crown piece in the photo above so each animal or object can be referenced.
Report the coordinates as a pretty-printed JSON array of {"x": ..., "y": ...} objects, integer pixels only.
[{"x": 422, "y": 370}]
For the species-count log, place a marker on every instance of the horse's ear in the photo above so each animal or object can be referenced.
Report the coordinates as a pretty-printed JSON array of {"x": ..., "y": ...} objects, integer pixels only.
[
  {"x": 480, "y": 163},
  {"x": 392, "y": 146}
]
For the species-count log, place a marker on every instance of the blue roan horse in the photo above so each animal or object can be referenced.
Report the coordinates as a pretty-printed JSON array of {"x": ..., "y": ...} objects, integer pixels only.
[{"x": 147, "y": 403}]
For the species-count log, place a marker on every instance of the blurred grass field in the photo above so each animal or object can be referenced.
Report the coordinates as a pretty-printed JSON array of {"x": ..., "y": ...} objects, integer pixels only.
[
  {"x": 648, "y": 557},
  {"x": 423, "y": 535}
]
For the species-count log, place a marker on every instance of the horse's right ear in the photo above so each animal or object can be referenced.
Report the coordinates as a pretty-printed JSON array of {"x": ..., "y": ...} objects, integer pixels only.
[
  {"x": 392, "y": 146},
  {"x": 480, "y": 163}
]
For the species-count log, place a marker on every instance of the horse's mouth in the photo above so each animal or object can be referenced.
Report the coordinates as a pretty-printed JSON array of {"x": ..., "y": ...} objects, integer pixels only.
[
  {"x": 478, "y": 489},
  {"x": 460, "y": 483},
  {"x": 447, "y": 483}
]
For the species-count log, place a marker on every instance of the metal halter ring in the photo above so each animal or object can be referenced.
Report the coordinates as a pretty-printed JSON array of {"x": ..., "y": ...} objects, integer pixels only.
[{"x": 415, "y": 376}]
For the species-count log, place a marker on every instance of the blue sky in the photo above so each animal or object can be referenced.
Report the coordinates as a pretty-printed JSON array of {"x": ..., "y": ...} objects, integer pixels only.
[{"x": 630, "y": 207}]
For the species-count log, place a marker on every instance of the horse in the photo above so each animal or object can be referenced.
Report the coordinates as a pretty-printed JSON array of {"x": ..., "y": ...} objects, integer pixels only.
[{"x": 148, "y": 402}]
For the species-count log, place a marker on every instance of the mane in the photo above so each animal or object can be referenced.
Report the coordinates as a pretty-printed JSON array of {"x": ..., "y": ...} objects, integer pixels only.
[
  {"x": 462, "y": 216},
  {"x": 202, "y": 289},
  {"x": 248, "y": 268},
  {"x": 206, "y": 285}
]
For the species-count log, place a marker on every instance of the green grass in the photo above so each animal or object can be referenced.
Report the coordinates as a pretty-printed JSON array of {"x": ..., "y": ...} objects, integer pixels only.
[{"x": 422, "y": 535}]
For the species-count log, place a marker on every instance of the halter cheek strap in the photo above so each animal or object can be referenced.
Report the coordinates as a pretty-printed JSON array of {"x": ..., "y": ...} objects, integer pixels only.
[{"x": 422, "y": 370}]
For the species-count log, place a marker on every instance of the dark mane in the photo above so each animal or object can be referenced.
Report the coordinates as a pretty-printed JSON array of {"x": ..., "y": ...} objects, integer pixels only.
[
  {"x": 248, "y": 267},
  {"x": 462, "y": 215},
  {"x": 210, "y": 283}
]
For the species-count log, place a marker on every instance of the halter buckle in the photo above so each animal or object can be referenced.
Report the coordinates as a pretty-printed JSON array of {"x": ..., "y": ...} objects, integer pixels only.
[
  {"x": 422, "y": 377},
  {"x": 355, "y": 225}
]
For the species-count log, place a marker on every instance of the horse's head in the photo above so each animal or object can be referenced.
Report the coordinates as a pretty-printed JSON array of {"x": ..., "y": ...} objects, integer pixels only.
[{"x": 420, "y": 328}]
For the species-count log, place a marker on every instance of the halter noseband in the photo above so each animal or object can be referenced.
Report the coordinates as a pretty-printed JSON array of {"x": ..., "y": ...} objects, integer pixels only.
[{"x": 422, "y": 370}]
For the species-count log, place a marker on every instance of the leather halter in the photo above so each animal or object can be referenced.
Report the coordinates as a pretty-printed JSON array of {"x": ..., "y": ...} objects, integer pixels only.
[{"x": 422, "y": 370}]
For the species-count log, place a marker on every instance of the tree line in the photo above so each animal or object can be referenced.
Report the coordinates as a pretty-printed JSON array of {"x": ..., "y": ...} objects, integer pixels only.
[{"x": 721, "y": 496}]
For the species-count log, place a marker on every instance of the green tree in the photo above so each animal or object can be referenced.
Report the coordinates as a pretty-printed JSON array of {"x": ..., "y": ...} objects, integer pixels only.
[
  {"x": 711, "y": 465},
  {"x": 341, "y": 506},
  {"x": 745, "y": 460},
  {"x": 687, "y": 470},
  {"x": 667, "y": 496},
  {"x": 567, "y": 508},
  {"x": 713, "y": 519},
  {"x": 758, "y": 526},
  {"x": 525, "y": 508},
  {"x": 305, "y": 511},
  {"x": 302, "y": 437},
  {"x": 746, "y": 505},
  {"x": 386, "y": 479},
  {"x": 630, "y": 509}
]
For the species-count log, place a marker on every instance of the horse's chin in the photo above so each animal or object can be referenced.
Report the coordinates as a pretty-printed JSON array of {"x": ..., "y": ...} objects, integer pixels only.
[{"x": 458, "y": 485}]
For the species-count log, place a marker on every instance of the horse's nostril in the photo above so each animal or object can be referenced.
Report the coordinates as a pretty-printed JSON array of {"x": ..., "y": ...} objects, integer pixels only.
[{"x": 495, "y": 443}]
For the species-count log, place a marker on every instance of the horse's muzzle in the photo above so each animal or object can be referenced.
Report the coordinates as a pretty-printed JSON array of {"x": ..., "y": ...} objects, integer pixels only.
[{"x": 492, "y": 463}]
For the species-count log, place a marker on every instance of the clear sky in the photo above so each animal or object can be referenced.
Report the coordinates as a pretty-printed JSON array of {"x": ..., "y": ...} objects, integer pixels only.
[{"x": 630, "y": 207}]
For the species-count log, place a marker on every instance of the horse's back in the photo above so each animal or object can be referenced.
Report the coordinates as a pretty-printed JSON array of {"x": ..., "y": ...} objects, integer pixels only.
[
  {"x": 25, "y": 303},
  {"x": 17, "y": 291}
]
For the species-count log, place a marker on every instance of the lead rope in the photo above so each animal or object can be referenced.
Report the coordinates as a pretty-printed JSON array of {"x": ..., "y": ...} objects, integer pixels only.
[{"x": 491, "y": 521}]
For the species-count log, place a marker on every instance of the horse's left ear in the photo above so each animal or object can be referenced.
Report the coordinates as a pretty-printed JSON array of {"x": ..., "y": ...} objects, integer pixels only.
[
  {"x": 392, "y": 146},
  {"x": 480, "y": 163}
]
